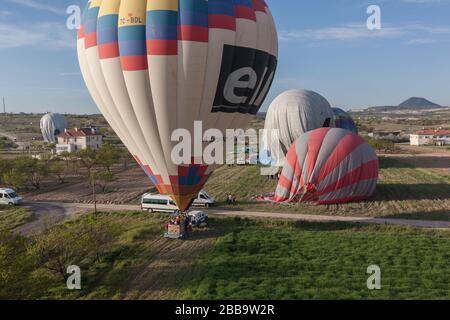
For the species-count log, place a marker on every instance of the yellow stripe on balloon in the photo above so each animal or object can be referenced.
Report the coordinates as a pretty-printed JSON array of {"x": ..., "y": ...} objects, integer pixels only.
[
  {"x": 132, "y": 13},
  {"x": 162, "y": 5},
  {"x": 95, "y": 3},
  {"x": 109, "y": 7}
]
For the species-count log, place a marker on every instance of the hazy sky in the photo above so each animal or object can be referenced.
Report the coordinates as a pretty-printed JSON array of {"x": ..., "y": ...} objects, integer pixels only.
[{"x": 324, "y": 46}]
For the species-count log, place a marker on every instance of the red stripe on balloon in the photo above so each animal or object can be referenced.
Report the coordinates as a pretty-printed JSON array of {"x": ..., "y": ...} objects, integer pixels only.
[
  {"x": 134, "y": 63},
  {"x": 295, "y": 165},
  {"x": 90, "y": 40},
  {"x": 81, "y": 32},
  {"x": 110, "y": 50},
  {"x": 243, "y": 12},
  {"x": 285, "y": 182},
  {"x": 259, "y": 5},
  {"x": 221, "y": 21},
  {"x": 367, "y": 171},
  {"x": 162, "y": 47},
  {"x": 193, "y": 33},
  {"x": 345, "y": 147},
  {"x": 315, "y": 141},
  {"x": 182, "y": 172}
]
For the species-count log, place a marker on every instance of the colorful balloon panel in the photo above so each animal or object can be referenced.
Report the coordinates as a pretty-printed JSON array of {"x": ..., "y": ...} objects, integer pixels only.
[
  {"x": 153, "y": 66},
  {"x": 328, "y": 166}
]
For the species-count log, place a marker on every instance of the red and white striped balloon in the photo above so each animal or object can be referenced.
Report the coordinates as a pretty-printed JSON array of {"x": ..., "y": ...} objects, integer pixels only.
[{"x": 327, "y": 166}]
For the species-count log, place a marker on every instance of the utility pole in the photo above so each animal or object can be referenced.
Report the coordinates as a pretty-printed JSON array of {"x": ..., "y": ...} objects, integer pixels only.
[
  {"x": 94, "y": 194},
  {"x": 4, "y": 109}
]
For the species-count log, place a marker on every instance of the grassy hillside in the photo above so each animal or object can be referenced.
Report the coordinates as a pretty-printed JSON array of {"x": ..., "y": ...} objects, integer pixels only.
[
  {"x": 13, "y": 217},
  {"x": 123, "y": 256},
  {"x": 404, "y": 191}
]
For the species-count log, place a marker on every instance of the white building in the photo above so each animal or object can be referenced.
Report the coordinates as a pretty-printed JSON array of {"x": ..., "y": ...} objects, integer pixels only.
[
  {"x": 430, "y": 137},
  {"x": 79, "y": 139}
]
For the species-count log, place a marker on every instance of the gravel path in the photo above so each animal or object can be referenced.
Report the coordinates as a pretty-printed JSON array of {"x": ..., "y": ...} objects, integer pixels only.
[{"x": 50, "y": 213}]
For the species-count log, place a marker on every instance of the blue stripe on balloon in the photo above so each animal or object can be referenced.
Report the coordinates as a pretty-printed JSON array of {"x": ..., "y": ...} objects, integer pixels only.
[
  {"x": 224, "y": 7},
  {"x": 162, "y": 25},
  {"x": 162, "y": 32},
  {"x": 245, "y": 3},
  {"x": 162, "y": 17},
  {"x": 132, "y": 47},
  {"x": 132, "y": 33},
  {"x": 108, "y": 22},
  {"x": 90, "y": 26},
  {"x": 200, "y": 6},
  {"x": 105, "y": 36},
  {"x": 92, "y": 13},
  {"x": 192, "y": 18}
]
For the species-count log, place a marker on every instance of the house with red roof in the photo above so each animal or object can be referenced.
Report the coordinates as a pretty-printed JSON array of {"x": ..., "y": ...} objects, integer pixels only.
[
  {"x": 72, "y": 140},
  {"x": 430, "y": 137}
]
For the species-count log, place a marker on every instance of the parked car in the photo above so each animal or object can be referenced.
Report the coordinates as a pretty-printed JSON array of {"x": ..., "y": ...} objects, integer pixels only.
[
  {"x": 9, "y": 197},
  {"x": 197, "y": 218},
  {"x": 204, "y": 200}
]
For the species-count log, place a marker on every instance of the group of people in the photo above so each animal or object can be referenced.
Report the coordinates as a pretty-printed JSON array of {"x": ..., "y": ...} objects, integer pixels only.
[{"x": 231, "y": 199}]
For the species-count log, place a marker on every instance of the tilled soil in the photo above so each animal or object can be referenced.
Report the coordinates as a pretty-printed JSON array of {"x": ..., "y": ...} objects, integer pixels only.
[{"x": 129, "y": 185}]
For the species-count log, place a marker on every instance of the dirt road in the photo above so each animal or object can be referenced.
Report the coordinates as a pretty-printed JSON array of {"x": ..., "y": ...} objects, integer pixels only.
[
  {"x": 13, "y": 138},
  {"x": 47, "y": 214},
  {"x": 51, "y": 213}
]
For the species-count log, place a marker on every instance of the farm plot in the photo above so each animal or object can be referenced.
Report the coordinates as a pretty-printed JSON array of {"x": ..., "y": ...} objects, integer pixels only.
[{"x": 231, "y": 259}]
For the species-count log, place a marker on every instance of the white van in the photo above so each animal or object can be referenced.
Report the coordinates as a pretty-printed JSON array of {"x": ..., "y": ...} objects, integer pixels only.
[
  {"x": 9, "y": 197},
  {"x": 204, "y": 200},
  {"x": 158, "y": 203},
  {"x": 161, "y": 203}
]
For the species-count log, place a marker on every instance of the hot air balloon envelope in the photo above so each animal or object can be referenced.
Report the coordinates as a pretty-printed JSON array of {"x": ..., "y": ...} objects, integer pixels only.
[
  {"x": 154, "y": 66},
  {"x": 328, "y": 166},
  {"x": 344, "y": 121},
  {"x": 293, "y": 113},
  {"x": 52, "y": 124}
]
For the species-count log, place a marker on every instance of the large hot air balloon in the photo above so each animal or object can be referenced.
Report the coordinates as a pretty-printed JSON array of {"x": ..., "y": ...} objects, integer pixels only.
[
  {"x": 52, "y": 124},
  {"x": 344, "y": 121},
  {"x": 293, "y": 113},
  {"x": 328, "y": 166},
  {"x": 153, "y": 66}
]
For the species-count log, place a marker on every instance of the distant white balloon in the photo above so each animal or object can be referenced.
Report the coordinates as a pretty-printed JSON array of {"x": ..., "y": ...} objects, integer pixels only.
[
  {"x": 52, "y": 124},
  {"x": 293, "y": 113}
]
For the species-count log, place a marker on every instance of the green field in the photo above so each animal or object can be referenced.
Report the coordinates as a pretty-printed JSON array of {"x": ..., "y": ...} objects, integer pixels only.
[
  {"x": 123, "y": 256},
  {"x": 11, "y": 218},
  {"x": 403, "y": 191},
  {"x": 323, "y": 261}
]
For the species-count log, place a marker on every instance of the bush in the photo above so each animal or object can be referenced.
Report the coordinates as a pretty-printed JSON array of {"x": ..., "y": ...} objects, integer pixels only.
[
  {"x": 7, "y": 144},
  {"x": 26, "y": 172},
  {"x": 80, "y": 243},
  {"x": 382, "y": 145},
  {"x": 15, "y": 266}
]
